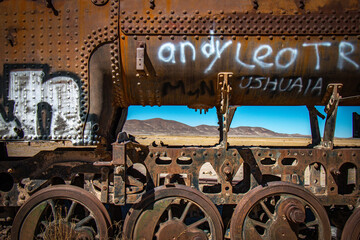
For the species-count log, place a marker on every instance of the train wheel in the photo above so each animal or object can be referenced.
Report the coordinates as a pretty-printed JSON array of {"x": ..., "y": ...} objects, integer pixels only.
[
  {"x": 61, "y": 212},
  {"x": 279, "y": 211},
  {"x": 173, "y": 212},
  {"x": 351, "y": 230}
]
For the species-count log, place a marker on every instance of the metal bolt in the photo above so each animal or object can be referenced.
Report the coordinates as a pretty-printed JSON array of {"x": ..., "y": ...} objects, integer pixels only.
[
  {"x": 335, "y": 171},
  {"x": 316, "y": 166},
  {"x": 227, "y": 170}
]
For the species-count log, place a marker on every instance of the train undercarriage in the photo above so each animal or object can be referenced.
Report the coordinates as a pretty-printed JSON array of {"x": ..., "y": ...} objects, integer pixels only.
[{"x": 134, "y": 191}]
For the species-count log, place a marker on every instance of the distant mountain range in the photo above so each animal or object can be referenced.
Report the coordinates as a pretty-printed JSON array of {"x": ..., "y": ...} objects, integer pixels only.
[{"x": 158, "y": 126}]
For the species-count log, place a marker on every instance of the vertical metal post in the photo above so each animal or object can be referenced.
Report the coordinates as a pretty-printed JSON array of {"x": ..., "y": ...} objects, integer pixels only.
[
  {"x": 356, "y": 125},
  {"x": 225, "y": 113},
  {"x": 314, "y": 124},
  {"x": 331, "y": 111}
]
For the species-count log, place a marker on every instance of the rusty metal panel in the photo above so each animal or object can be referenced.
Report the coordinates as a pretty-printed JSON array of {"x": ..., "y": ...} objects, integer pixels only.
[
  {"x": 279, "y": 56},
  {"x": 45, "y": 57}
]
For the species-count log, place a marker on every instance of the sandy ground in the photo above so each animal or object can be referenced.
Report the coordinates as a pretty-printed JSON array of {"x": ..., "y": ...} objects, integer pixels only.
[{"x": 26, "y": 149}]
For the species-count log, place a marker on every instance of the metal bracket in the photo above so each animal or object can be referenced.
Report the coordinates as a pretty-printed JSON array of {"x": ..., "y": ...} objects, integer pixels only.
[
  {"x": 314, "y": 124},
  {"x": 356, "y": 125},
  {"x": 224, "y": 111},
  {"x": 119, "y": 160},
  {"x": 331, "y": 99},
  {"x": 140, "y": 56}
]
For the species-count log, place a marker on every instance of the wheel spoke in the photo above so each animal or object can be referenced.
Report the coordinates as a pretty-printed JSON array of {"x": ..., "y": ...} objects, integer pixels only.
[
  {"x": 44, "y": 223},
  {"x": 186, "y": 210},
  {"x": 267, "y": 211},
  {"x": 170, "y": 216},
  {"x": 258, "y": 223},
  {"x": 312, "y": 223},
  {"x": 84, "y": 221},
  {"x": 52, "y": 205},
  {"x": 197, "y": 223},
  {"x": 71, "y": 211}
]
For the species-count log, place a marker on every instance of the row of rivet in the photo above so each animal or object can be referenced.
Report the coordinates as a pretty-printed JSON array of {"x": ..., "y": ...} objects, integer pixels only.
[
  {"x": 184, "y": 12},
  {"x": 243, "y": 24},
  {"x": 246, "y": 37},
  {"x": 116, "y": 75}
]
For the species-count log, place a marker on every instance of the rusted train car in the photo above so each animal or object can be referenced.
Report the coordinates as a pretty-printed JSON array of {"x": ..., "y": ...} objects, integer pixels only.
[{"x": 70, "y": 69}]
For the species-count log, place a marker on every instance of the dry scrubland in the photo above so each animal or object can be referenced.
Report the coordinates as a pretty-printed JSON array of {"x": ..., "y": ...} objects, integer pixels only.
[
  {"x": 239, "y": 141},
  {"x": 32, "y": 148}
]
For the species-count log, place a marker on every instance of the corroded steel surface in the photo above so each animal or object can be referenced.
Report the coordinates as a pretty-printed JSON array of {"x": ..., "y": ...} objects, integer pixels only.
[
  {"x": 69, "y": 69},
  {"x": 61, "y": 56},
  {"x": 280, "y": 55},
  {"x": 46, "y": 53}
]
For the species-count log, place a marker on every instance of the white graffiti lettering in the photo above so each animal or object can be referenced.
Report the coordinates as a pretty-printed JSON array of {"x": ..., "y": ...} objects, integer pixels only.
[
  {"x": 262, "y": 57},
  {"x": 209, "y": 49},
  {"x": 293, "y": 55},
  {"x": 259, "y": 59},
  {"x": 282, "y": 84},
  {"x": 343, "y": 55},
  {"x": 182, "y": 51},
  {"x": 170, "y": 48},
  {"x": 316, "y": 46},
  {"x": 274, "y": 83},
  {"x": 237, "y": 58}
]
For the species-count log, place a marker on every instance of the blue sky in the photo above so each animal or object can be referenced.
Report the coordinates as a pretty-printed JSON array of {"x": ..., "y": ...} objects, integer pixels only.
[{"x": 293, "y": 119}]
